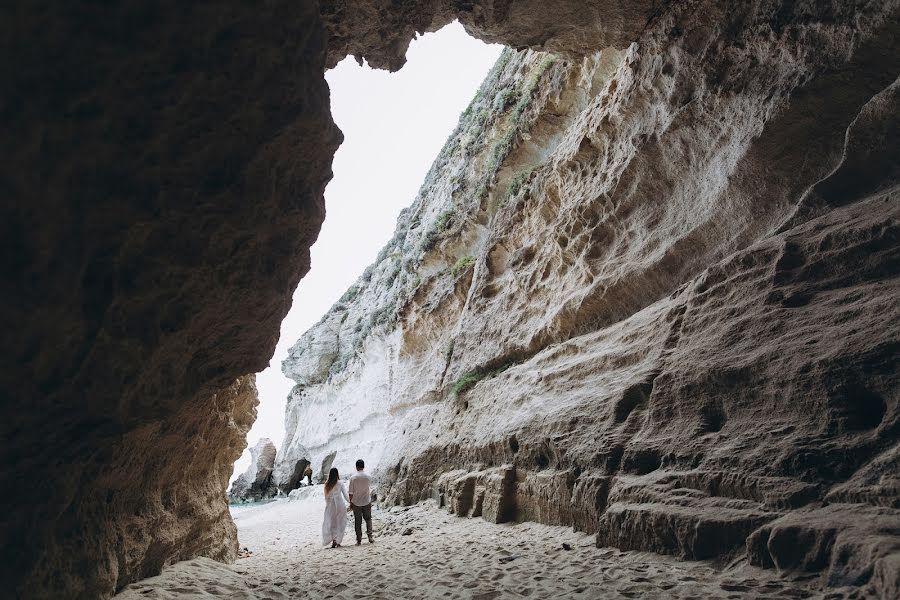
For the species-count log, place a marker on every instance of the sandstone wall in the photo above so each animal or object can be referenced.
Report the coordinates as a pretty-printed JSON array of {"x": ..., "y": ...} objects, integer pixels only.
[
  {"x": 162, "y": 174},
  {"x": 655, "y": 300},
  {"x": 163, "y": 166}
]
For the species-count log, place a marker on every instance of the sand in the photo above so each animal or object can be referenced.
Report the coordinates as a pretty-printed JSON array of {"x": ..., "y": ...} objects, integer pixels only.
[{"x": 422, "y": 552}]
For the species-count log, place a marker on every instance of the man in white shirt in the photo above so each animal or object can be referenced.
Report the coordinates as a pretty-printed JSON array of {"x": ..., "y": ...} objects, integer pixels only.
[{"x": 361, "y": 501}]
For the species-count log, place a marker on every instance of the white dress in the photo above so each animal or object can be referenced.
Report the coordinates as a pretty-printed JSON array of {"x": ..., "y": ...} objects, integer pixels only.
[{"x": 335, "y": 522}]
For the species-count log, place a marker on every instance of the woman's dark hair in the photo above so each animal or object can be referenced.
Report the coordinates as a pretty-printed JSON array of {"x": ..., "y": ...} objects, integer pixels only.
[
  {"x": 332, "y": 479},
  {"x": 360, "y": 464}
]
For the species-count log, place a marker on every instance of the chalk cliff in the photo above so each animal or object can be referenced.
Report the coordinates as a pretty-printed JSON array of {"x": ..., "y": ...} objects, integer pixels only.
[{"x": 650, "y": 293}]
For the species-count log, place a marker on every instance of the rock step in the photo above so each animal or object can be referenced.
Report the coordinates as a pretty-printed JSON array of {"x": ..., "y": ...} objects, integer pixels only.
[
  {"x": 689, "y": 532},
  {"x": 853, "y": 544}
]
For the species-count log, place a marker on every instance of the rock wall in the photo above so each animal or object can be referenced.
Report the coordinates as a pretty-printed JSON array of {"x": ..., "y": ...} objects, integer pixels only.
[
  {"x": 651, "y": 294},
  {"x": 380, "y": 31},
  {"x": 150, "y": 497},
  {"x": 163, "y": 169},
  {"x": 162, "y": 172}
]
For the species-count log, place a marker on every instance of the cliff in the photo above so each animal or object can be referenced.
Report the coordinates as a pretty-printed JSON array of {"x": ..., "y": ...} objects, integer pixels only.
[
  {"x": 650, "y": 294},
  {"x": 351, "y": 353}
]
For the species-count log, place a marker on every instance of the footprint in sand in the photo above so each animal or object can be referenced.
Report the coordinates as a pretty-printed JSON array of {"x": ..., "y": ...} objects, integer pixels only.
[
  {"x": 665, "y": 586},
  {"x": 734, "y": 587}
]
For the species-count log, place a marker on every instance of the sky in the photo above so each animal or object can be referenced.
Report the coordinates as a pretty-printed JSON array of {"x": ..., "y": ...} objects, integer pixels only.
[{"x": 394, "y": 125}]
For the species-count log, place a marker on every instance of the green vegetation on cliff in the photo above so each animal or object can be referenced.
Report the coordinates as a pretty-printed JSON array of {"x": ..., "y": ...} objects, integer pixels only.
[
  {"x": 461, "y": 265},
  {"x": 469, "y": 379},
  {"x": 437, "y": 234}
]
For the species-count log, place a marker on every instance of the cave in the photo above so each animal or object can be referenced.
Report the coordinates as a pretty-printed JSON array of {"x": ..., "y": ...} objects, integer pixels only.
[
  {"x": 296, "y": 478},
  {"x": 163, "y": 173}
]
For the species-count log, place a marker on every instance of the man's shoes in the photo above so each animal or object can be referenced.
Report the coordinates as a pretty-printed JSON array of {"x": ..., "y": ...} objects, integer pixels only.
[
  {"x": 358, "y": 542},
  {"x": 371, "y": 540}
]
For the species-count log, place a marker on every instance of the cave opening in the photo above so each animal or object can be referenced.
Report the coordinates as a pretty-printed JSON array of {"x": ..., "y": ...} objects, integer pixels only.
[
  {"x": 394, "y": 125},
  {"x": 297, "y": 476}
]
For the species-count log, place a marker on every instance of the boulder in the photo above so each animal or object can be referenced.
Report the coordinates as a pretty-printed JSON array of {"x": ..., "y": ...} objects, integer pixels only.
[{"x": 256, "y": 482}]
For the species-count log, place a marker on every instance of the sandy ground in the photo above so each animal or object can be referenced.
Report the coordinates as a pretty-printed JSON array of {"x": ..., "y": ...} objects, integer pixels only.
[{"x": 423, "y": 552}]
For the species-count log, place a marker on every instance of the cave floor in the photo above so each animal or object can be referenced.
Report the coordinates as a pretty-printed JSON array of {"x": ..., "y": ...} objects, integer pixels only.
[{"x": 443, "y": 556}]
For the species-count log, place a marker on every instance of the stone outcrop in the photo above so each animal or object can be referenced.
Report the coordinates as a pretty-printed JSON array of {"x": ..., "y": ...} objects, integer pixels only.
[
  {"x": 256, "y": 482},
  {"x": 163, "y": 169},
  {"x": 650, "y": 293},
  {"x": 380, "y": 31},
  {"x": 148, "y": 509}
]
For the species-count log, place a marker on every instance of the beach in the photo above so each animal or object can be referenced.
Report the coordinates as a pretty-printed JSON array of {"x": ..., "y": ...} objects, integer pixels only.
[{"x": 423, "y": 552}]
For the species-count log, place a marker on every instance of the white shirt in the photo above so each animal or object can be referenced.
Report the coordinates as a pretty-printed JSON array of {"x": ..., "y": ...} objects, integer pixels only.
[{"x": 360, "y": 493}]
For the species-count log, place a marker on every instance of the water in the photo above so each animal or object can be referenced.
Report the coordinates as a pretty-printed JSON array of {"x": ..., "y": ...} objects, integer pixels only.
[{"x": 235, "y": 509}]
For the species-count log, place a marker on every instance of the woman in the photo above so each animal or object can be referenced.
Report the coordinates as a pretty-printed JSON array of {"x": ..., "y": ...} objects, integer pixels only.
[{"x": 335, "y": 510}]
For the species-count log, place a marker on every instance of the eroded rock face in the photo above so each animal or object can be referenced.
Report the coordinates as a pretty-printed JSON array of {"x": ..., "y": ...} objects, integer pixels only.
[
  {"x": 651, "y": 294},
  {"x": 380, "y": 31},
  {"x": 163, "y": 170},
  {"x": 157, "y": 498},
  {"x": 256, "y": 483}
]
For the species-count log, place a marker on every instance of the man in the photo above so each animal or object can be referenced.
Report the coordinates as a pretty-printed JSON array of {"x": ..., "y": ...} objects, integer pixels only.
[
  {"x": 308, "y": 474},
  {"x": 361, "y": 501}
]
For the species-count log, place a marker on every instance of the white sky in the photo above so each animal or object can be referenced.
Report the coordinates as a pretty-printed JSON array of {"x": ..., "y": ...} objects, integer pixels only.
[{"x": 394, "y": 125}]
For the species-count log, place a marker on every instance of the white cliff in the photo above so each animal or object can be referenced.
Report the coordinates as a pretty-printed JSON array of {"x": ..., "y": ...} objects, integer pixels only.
[{"x": 648, "y": 294}]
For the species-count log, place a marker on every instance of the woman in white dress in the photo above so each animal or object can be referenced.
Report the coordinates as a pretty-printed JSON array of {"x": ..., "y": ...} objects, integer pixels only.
[{"x": 336, "y": 502}]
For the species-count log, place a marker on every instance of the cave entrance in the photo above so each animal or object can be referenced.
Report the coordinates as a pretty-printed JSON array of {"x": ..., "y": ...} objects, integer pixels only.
[
  {"x": 296, "y": 478},
  {"x": 394, "y": 126}
]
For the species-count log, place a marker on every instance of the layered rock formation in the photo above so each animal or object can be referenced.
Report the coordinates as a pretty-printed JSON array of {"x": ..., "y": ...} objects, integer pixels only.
[
  {"x": 162, "y": 172},
  {"x": 157, "y": 499},
  {"x": 256, "y": 483},
  {"x": 163, "y": 169},
  {"x": 651, "y": 294}
]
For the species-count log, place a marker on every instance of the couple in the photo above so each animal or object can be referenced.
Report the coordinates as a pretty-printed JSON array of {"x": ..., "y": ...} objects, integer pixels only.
[{"x": 336, "y": 509}]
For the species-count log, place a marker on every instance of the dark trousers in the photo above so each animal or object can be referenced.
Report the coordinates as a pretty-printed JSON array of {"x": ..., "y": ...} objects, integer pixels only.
[{"x": 360, "y": 513}]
